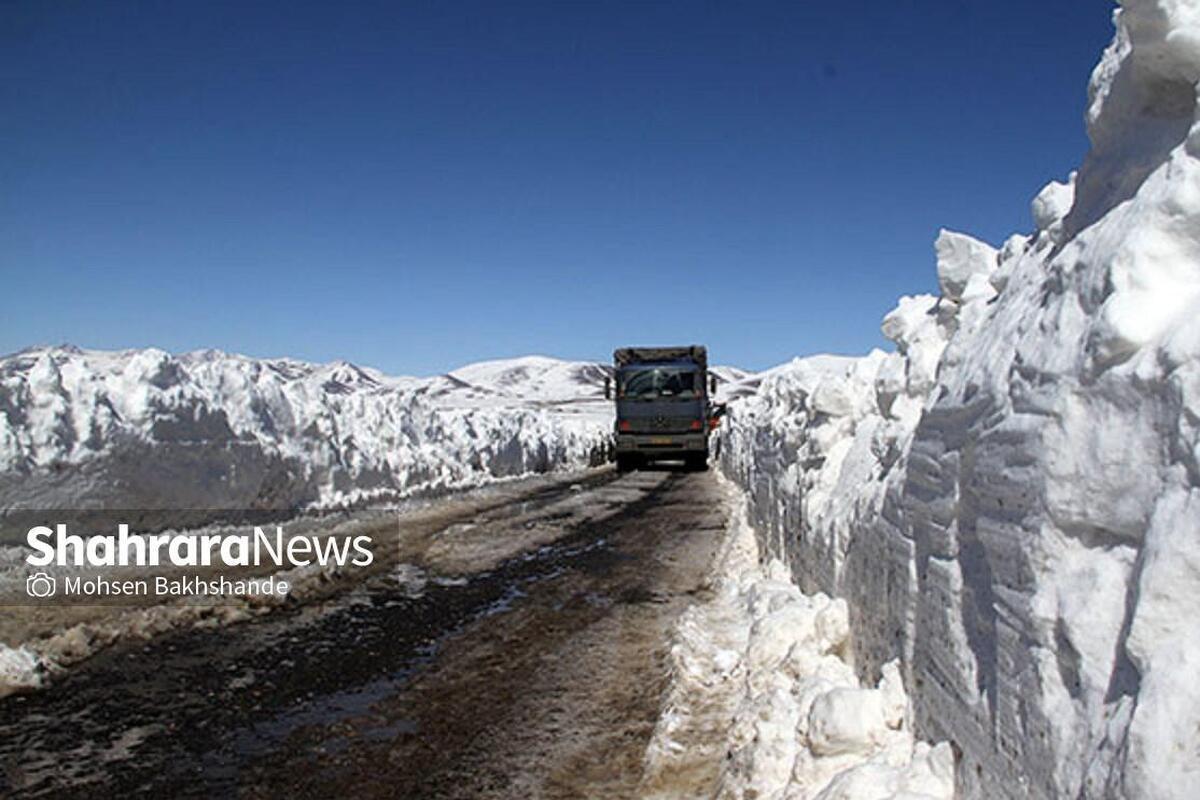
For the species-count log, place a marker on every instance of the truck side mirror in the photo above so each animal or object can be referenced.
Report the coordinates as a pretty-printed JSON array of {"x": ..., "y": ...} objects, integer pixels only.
[
  {"x": 712, "y": 384},
  {"x": 607, "y": 388}
]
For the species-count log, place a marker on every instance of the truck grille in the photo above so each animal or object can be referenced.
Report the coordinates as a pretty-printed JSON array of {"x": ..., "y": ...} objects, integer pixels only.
[{"x": 660, "y": 424}]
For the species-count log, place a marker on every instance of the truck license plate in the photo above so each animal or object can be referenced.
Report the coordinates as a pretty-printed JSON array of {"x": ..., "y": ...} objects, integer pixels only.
[{"x": 660, "y": 440}]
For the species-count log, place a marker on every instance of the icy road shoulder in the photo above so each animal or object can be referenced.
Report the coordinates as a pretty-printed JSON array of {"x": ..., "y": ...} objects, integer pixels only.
[{"x": 764, "y": 701}]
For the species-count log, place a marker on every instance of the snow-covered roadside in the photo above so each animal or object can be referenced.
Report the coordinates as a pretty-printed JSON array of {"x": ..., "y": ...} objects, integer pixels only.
[
  {"x": 1010, "y": 502},
  {"x": 180, "y": 441},
  {"x": 764, "y": 703},
  {"x": 31, "y": 665},
  {"x": 144, "y": 429}
]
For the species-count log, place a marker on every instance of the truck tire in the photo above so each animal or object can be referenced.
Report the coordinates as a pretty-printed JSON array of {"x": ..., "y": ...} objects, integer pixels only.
[
  {"x": 626, "y": 462},
  {"x": 697, "y": 462}
]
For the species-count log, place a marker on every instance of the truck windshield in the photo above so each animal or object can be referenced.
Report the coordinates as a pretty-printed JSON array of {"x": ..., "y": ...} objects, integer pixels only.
[{"x": 659, "y": 382}]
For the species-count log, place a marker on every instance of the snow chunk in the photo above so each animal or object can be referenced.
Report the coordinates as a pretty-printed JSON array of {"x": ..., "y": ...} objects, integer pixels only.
[
  {"x": 1154, "y": 270},
  {"x": 20, "y": 669},
  {"x": 959, "y": 257},
  {"x": 1052, "y": 205},
  {"x": 920, "y": 334}
]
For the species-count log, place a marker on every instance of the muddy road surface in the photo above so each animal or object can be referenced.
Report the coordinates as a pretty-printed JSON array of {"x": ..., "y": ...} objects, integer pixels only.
[{"x": 520, "y": 655}]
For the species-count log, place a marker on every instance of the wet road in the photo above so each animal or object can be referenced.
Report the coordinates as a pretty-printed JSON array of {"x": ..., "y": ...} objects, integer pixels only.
[{"x": 519, "y": 655}]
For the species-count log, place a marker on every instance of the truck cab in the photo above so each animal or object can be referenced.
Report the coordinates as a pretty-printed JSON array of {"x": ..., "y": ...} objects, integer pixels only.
[{"x": 663, "y": 405}]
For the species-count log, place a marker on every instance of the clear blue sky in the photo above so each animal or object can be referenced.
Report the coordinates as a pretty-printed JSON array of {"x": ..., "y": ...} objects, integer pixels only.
[{"x": 415, "y": 185}]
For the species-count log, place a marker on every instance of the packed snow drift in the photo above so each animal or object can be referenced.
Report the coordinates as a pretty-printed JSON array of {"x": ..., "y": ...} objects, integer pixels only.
[
  {"x": 1009, "y": 503},
  {"x": 210, "y": 430},
  {"x": 764, "y": 703}
]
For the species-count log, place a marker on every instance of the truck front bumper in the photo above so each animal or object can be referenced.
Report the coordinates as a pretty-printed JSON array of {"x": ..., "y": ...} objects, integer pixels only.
[{"x": 662, "y": 444}]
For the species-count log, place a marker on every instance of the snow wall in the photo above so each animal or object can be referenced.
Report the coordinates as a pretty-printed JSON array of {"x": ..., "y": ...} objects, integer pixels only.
[
  {"x": 1010, "y": 502},
  {"x": 143, "y": 429}
]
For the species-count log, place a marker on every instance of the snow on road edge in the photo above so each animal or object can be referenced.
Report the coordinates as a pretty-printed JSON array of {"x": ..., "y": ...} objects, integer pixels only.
[{"x": 764, "y": 701}]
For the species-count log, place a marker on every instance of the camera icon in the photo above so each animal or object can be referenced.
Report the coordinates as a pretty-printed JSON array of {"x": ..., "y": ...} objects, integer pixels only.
[{"x": 40, "y": 585}]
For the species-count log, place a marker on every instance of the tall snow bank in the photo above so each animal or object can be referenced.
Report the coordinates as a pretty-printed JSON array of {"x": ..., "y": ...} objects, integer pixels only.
[
  {"x": 1014, "y": 511},
  {"x": 210, "y": 430}
]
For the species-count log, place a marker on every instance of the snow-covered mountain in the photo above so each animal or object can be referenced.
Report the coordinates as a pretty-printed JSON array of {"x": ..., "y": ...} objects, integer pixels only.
[
  {"x": 146, "y": 429},
  {"x": 1010, "y": 502},
  {"x": 569, "y": 389}
]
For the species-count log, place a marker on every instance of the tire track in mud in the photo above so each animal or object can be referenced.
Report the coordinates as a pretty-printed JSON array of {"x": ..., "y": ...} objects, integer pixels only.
[{"x": 408, "y": 685}]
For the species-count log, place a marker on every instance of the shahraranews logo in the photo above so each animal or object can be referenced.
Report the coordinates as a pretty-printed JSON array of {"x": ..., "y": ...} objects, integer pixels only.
[
  {"x": 58, "y": 547},
  {"x": 234, "y": 550}
]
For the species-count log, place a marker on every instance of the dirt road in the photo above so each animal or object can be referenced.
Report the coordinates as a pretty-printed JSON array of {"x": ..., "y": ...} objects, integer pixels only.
[{"x": 521, "y": 655}]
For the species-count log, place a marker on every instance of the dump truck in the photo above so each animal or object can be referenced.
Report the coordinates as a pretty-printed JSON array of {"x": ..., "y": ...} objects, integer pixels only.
[{"x": 664, "y": 405}]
